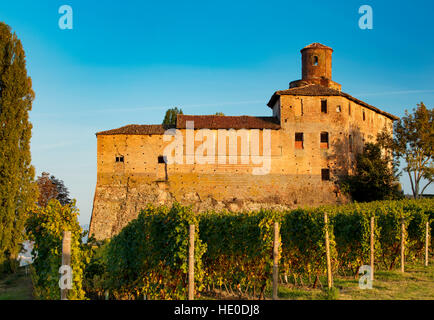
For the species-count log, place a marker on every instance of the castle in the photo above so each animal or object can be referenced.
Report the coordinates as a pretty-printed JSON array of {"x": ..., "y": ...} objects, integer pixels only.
[{"x": 315, "y": 130}]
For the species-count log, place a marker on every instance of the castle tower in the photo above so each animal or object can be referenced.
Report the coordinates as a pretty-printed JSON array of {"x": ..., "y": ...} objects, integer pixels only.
[
  {"x": 316, "y": 67},
  {"x": 316, "y": 62}
]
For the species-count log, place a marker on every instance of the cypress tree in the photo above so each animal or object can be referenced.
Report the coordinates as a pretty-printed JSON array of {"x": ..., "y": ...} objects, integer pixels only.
[
  {"x": 17, "y": 188},
  {"x": 170, "y": 117}
]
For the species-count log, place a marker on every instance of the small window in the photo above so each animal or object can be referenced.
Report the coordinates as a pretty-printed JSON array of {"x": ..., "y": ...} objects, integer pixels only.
[
  {"x": 324, "y": 106},
  {"x": 120, "y": 159},
  {"x": 349, "y": 109},
  {"x": 161, "y": 159},
  {"x": 324, "y": 140},
  {"x": 325, "y": 174},
  {"x": 364, "y": 115},
  {"x": 299, "y": 140},
  {"x": 338, "y": 109},
  {"x": 315, "y": 60}
]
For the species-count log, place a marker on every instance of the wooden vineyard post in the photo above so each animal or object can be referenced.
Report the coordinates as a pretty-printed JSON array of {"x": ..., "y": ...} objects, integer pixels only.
[
  {"x": 426, "y": 243},
  {"x": 66, "y": 258},
  {"x": 276, "y": 260},
  {"x": 402, "y": 246},
  {"x": 329, "y": 266},
  {"x": 372, "y": 247},
  {"x": 191, "y": 263}
]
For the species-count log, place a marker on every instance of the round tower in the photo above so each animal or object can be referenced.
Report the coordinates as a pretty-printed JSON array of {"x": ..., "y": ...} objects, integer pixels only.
[{"x": 316, "y": 61}]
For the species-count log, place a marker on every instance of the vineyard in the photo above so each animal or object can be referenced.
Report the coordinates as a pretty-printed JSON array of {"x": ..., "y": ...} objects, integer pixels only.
[{"x": 233, "y": 252}]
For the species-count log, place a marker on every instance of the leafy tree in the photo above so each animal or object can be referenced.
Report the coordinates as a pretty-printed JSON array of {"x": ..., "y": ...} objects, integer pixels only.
[
  {"x": 413, "y": 141},
  {"x": 47, "y": 189},
  {"x": 45, "y": 226},
  {"x": 18, "y": 191},
  {"x": 374, "y": 178},
  {"x": 62, "y": 191},
  {"x": 219, "y": 114},
  {"x": 170, "y": 117},
  {"x": 52, "y": 188}
]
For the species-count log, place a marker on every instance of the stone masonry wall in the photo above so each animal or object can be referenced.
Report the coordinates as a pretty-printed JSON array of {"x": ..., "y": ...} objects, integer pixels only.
[{"x": 294, "y": 180}]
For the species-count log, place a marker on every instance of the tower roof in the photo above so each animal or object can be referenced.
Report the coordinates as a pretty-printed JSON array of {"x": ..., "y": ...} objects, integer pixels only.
[{"x": 316, "y": 45}]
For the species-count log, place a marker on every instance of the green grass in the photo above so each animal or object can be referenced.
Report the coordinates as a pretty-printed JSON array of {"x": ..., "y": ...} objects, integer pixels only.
[
  {"x": 17, "y": 286},
  {"x": 417, "y": 283}
]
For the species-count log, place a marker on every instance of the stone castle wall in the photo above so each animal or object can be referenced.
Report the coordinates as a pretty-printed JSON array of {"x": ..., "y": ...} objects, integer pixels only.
[{"x": 294, "y": 180}]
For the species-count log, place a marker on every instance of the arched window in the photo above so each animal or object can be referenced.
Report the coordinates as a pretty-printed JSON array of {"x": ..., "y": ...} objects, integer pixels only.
[{"x": 315, "y": 60}]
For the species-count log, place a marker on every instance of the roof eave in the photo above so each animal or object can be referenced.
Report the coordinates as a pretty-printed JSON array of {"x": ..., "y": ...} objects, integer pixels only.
[
  {"x": 273, "y": 99},
  {"x": 277, "y": 94}
]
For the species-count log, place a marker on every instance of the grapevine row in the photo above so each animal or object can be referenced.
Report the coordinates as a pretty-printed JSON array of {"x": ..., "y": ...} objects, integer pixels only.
[{"x": 233, "y": 251}]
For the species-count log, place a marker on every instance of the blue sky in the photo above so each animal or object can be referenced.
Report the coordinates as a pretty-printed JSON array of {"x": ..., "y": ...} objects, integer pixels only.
[{"x": 126, "y": 62}]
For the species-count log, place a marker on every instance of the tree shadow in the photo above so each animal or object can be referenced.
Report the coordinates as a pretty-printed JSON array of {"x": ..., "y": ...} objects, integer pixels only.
[{"x": 342, "y": 159}]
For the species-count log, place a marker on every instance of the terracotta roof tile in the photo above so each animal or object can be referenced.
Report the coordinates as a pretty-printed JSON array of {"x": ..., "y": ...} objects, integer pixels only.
[
  {"x": 311, "y": 90},
  {"x": 200, "y": 122},
  {"x": 316, "y": 45},
  {"x": 318, "y": 90},
  {"x": 136, "y": 129},
  {"x": 228, "y": 122}
]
